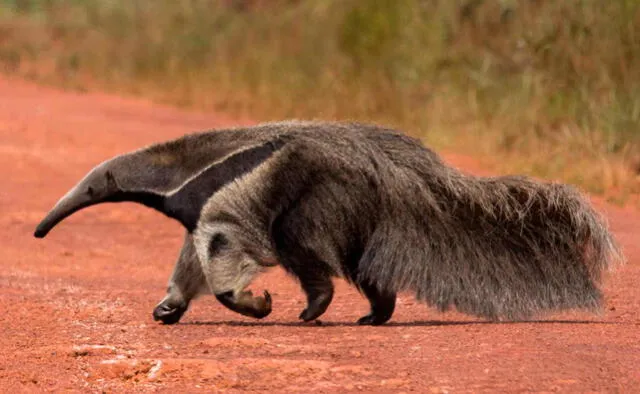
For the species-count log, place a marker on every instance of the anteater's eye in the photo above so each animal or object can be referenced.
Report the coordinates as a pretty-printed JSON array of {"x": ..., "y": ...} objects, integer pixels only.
[{"x": 90, "y": 191}]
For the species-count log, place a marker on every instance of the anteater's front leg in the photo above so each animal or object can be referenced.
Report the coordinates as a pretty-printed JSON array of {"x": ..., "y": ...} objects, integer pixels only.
[
  {"x": 229, "y": 270},
  {"x": 246, "y": 304},
  {"x": 186, "y": 283}
]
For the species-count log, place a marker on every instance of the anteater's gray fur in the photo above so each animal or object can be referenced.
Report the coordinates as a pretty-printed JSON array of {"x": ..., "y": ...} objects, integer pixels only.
[{"x": 365, "y": 203}]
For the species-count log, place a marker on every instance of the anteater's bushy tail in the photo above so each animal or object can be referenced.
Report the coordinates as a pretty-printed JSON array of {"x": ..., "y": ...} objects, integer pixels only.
[{"x": 501, "y": 248}]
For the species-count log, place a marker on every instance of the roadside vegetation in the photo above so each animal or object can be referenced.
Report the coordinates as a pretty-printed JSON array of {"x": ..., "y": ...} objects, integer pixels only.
[{"x": 543, "y": 87}]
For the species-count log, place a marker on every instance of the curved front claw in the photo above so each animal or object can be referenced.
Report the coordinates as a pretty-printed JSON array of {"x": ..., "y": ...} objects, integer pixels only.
[
  {"x": 263, "y": 305},
  {"x": 246, "y": 304}
]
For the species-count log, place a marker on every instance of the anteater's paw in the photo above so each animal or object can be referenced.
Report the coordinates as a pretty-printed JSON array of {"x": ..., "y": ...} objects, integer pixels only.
[
  {"x": 316, "y": 306},
  {"x": 309, "y": 314},
  {"x": 169, "y": 314},
  {"x": 372, "y": 320},
  {"x": 246, "y": 304},
  {"x": 263, "y": 305}
]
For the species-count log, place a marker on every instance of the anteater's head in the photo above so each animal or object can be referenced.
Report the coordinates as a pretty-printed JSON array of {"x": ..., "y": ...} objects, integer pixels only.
[{"x": 175, "y": 178}]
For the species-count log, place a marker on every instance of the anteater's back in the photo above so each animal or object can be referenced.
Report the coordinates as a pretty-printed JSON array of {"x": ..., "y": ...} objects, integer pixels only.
[{"x": 385, "y": 209}]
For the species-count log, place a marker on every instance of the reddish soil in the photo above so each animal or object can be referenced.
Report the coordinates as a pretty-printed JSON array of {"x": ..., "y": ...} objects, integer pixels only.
[{"x": 77, "y": 305}]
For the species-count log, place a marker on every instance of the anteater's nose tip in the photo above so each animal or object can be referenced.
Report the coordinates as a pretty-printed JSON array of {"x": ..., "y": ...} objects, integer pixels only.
[{"x": 40, "y": 232}]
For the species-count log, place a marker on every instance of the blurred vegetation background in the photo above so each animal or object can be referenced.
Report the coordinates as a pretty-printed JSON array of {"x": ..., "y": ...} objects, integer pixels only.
[{"x": 543, "y": 87}]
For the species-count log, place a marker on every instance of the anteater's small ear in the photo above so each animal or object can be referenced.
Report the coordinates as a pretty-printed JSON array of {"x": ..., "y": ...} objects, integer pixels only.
[{"x": 111, "y": 181}]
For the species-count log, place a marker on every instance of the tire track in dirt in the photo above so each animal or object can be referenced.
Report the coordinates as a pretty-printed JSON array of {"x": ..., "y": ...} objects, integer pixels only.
[{"x": 77, "y": 307}]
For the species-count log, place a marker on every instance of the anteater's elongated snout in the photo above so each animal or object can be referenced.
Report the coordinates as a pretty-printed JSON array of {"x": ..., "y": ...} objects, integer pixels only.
[
  {"x": 98, "y": 186},
  {"x": 171, "y": 178},
  {"x": 72, "y": 202}
]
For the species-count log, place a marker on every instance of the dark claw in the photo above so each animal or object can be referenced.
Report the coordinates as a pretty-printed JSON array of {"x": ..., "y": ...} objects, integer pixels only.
[
  {"x": 168, "y": 314},
  {"x": 316, "y": 306},
  {"x": 372, "y": 320},
  {"x": 307, "y": 315}
]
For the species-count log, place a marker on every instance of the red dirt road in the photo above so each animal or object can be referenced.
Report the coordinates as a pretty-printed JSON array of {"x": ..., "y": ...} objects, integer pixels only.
[{"x": 76, "y": 306}]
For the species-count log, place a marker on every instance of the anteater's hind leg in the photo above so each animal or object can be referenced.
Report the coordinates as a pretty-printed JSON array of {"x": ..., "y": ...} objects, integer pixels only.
[
  {"x": 319, "y": 291},
  {"x": 382, "y": 305}
]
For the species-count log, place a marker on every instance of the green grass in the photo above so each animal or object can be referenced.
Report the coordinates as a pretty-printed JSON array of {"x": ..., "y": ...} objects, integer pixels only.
[{"x": 548, "y": 88}]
